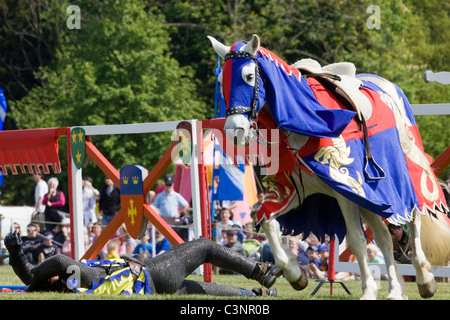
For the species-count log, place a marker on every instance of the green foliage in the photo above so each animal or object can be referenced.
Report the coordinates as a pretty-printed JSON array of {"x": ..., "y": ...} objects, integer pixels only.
[
  {"x": 116, "y": 69},
  {"x": 28, "y": 41},
  {"x": 413, "y": 37}
]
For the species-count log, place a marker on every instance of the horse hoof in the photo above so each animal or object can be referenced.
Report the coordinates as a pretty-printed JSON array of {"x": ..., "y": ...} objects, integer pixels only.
[
  {"x": 301, "y": 283},
  {"x": 427, "y": 290},
  {"x": 268, "y": 274},
  {"x": 396, "y": 297}
]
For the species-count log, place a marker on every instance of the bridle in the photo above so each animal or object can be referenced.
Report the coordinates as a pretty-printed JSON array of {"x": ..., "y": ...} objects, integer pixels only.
[{"x": 252, "y": 109}]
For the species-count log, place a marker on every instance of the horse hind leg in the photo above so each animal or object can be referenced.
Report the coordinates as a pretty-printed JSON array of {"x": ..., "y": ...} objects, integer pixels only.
[
  {"x": 424, "y": 278},
  {"x": 284, "y": 259},
  {"x": 384, "y": 242}
]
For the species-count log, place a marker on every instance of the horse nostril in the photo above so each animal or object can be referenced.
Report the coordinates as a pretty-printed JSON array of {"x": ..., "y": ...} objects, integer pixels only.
[{"x": 239, "y": 134}]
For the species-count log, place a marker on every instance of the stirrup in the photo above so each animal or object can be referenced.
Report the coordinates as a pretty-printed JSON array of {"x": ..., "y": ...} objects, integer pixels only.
[{"x": 375, "y": 168}]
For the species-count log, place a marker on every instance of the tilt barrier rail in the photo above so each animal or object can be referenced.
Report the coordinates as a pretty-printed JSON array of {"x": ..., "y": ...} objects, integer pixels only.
[{"x": 36, "y": 150}]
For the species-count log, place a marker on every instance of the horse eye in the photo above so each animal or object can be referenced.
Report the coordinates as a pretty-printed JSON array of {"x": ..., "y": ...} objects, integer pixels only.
[{"x": 248, "y": 74}]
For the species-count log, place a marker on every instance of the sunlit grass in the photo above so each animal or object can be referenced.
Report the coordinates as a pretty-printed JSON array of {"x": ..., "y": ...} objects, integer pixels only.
[{"x": 285, "y": 292}]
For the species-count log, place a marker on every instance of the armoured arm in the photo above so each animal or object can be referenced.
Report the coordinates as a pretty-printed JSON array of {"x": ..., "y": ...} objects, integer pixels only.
[{"x": 17, "y": 258}]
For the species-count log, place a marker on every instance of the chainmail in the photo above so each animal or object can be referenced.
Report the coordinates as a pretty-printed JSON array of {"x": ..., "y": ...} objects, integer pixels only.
[
  {"x": 63, "y": 266},
  {"x": 167, "y": 271}
]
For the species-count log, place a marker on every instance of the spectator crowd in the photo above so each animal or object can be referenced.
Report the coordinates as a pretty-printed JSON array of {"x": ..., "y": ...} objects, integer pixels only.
[{"x": 48, "y": 233}]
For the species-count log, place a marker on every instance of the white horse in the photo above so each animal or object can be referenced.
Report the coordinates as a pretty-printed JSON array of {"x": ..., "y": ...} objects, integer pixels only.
[{"x": 435, "y": 230}]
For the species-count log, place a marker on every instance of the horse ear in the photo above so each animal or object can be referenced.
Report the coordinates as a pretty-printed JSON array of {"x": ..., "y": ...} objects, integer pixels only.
[
  {"x": 219, "y": 48},
  {"x": 253, "y": 45}
]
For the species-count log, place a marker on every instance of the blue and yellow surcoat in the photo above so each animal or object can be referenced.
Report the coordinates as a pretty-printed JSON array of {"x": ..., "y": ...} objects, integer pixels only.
[{"x": 120, "y": 281}]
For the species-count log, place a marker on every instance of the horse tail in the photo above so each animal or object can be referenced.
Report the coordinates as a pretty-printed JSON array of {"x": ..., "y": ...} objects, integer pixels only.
[{"x": 435, "y": 238}]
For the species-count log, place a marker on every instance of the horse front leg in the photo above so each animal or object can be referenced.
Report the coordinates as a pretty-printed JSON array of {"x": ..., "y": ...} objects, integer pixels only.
[
  {"x": 284, "y": 258},
  {"x": 357, "y": 242},
  {"x": 424, "y": 278}
]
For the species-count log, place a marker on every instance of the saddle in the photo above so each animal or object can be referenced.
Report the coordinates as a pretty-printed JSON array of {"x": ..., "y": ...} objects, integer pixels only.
[{"x": 341, "y": 79}]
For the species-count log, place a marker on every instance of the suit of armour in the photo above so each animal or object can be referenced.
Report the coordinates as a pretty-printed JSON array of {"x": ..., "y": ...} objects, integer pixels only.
[{"x": 166, "y": 272}]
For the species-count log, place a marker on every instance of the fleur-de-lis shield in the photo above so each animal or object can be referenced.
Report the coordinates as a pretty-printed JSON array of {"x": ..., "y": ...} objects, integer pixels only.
[{"x": 132, "y": 199}]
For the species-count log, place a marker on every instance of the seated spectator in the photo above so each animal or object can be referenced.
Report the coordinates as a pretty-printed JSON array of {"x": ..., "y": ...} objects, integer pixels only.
[
  {"x": 223, "y": 236},
  {"x": 237, "y": 225},
  {"x": 122, "y": 244},
  {"x": 267, "y": 254},
  {"x": 233, "y": 243},
  {"x": 312, "y": 240},
  {"x": 324, "y": 252},
  {"x": 61, "y": 232},
  {"x": 252, "y": 247},
  {"x": 248, "y": 229},
  {"x": 31, "y": 244},
  {"x": 47, "y": 249},
  {"x": 67, "y": 247},
  {"x": 298, "y": 248},
  {"x": 225, "y": 222},
  {"x": 97, "y": 229},
  {"x": 162, "y": 244},
  {"x": 314, "y": 263},
  {"x": 130, "y": 243},
  {"x": 372, "y": 257},
  {"x": 144, "y": 248},
  {"x": 372, "y": 251},
  {"x": 112, "y": 251}
]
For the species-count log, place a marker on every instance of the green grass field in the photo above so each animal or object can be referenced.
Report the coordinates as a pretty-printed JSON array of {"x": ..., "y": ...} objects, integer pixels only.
[{"x": 285, "y": 292}]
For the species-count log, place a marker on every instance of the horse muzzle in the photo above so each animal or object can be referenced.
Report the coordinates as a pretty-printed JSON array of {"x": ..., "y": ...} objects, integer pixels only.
[{"x": 237, "y": 129}]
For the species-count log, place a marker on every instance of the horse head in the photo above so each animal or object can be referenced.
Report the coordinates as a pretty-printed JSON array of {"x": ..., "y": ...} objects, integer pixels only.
[
  {"x": 253, "y": 77},
  {"x": 242, "y": 89}
]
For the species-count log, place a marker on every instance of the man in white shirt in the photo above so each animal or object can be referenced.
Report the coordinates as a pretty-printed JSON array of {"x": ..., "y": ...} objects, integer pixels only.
[{"x": 40, "y": 190}]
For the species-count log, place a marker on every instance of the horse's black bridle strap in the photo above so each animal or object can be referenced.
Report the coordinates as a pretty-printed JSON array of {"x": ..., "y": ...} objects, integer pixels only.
[
  {"x": 252, "y": 108},
  {"x": 237, "y": 110},
  {"x": 239, "y": 55}
]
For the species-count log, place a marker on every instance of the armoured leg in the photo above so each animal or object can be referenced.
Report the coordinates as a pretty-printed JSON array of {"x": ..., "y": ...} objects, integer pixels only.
[
  {"x": 169, "y": 270},
  {"x": 64, "y": 267},
  {"x": 195, "y": 287},
  {"x": 21, "y": 267},
  {"x": 17, "y": 258}
]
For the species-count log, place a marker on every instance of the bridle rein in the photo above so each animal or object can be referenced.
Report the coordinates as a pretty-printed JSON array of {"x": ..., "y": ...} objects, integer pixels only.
[{"x": 252, "y": 108}]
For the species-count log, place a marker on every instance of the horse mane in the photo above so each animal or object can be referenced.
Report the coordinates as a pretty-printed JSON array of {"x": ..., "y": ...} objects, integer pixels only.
[{"x": 290, "y": 70}]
